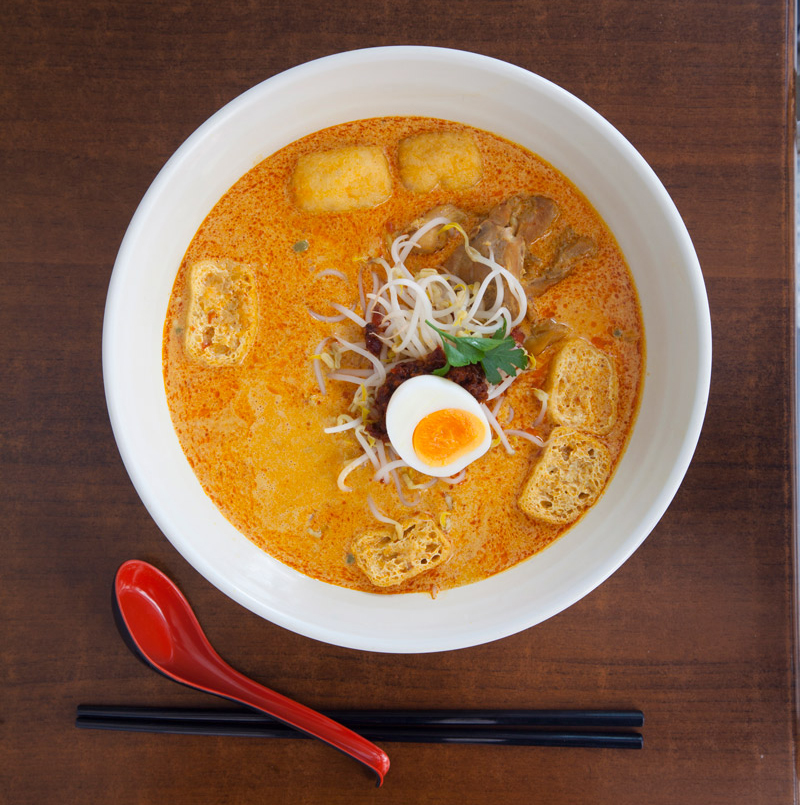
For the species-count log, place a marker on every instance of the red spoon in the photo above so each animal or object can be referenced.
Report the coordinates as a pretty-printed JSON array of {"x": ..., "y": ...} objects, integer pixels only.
[{"x": 160, "y": 626}]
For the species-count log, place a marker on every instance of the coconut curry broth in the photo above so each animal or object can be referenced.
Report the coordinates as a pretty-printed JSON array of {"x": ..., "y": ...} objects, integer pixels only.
[{"x": 253, "y": 432}]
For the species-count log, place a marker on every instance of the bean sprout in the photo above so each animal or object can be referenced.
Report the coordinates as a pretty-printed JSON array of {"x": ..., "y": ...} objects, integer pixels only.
[
  {"x": 497, "y": 429},
  {"x": 361, "y": 297},
  {"x": 379, "y": 367},
  {"x": 348, "y": 312},
  {"x": 357, "y": 462},
  {"x": 366, "y": 447},
  {"x": 455, "y": 479},
  {"x": 400, "y": 494},
  {"x": 382, "y": 517},
  {"x": 350, "y": 423},
  {"x": 523, "y": 434},
  {"x": 317, "y": 368},
  {"x": 329, "y": 319},
  {"x": 383, "y": 473},
  {"x": 501, "y": 387},
  {"x": 543, "y": 397},
  {"x": 330, "y": 272}
]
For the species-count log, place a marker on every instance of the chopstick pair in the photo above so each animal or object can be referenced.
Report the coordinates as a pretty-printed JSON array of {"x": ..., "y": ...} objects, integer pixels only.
[{"x": 565, "y": 728}]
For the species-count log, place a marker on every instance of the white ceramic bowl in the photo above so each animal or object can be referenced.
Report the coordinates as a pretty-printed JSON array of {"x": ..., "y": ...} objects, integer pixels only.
[{"x": 491, "y": 95}]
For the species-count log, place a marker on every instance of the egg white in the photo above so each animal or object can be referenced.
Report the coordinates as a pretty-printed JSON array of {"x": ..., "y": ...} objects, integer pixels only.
[{"x": 417, "y": 398}]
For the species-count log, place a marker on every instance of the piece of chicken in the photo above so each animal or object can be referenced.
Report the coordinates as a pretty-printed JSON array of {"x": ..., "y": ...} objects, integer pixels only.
[
  {"x": 530, "y": 217},
  {"x": 571, "y": 249},
  {"x": 506, "y": 235},
  {"x": 544, "y": 333}
]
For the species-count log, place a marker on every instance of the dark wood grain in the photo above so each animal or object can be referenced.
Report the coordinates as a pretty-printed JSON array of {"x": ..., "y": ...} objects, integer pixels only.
[{"x": 695, "y": 629}]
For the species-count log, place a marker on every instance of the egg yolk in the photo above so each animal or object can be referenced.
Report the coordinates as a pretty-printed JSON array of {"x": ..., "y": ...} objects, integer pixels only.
[{"x": 444, "y": 436}]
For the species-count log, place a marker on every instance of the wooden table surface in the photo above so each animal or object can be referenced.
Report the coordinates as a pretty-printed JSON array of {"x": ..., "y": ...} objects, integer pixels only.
[{"x": 696, "y": 629}]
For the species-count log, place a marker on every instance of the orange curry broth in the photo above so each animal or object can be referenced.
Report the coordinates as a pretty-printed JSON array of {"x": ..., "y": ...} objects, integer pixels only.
[{"x": 253, "y": 433}]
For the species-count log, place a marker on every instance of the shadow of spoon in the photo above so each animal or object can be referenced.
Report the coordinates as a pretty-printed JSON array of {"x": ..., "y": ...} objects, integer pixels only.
[{"x": 159, "y": 626}]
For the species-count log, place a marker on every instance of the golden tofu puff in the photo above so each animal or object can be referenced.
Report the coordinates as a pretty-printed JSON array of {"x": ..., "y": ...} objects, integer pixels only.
[
  {"x": 583, "y": 388},
  {"x": 354, "y": 177},
  {"x": 223, "y": 312},
  {"x": 447, "y": 159},
  {"x": 567, "y": 479},
  {"x": 388, "y": 559}
]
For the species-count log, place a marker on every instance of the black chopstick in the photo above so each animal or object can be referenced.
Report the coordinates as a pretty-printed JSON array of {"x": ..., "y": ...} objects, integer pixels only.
[
  {"x": 385, "y": 718},
  {"x": 449, "y": 735},
  {"x": 499, "y": 727}
]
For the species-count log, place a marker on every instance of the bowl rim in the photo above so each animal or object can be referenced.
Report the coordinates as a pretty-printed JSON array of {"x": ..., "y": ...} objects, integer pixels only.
[{"x": 119, "y": 287}]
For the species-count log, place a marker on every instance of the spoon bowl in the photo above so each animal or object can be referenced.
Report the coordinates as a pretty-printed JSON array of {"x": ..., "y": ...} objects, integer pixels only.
[{"x": 158, "y": 624}]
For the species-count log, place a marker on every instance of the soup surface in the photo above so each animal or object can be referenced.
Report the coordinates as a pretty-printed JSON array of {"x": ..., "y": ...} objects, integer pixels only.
[{"x": 252, "y": 425}]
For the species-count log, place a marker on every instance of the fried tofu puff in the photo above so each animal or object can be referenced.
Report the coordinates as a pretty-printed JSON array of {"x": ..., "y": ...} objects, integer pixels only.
[
  {"x": 447, "y": 159},
  {"x": 388, "y": 558},
  {"x": 343, "y": 179},
  {"x": 223, "y": 312}
]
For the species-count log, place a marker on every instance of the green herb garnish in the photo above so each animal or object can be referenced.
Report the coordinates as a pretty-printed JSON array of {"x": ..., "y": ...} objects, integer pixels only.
[
  {"x": 300, "y": 246},
  {"x": 500, "y": 352}
]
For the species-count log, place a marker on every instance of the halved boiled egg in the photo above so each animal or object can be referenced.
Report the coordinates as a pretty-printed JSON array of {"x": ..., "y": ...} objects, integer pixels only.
[{"x": 436, "y": 426}]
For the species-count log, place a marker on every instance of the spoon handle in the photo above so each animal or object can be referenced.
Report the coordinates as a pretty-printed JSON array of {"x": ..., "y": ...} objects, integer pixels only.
[{"x": 234, "y": 685}]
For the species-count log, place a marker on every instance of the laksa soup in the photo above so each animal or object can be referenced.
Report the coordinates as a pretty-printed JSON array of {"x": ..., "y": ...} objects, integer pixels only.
[{"x": 403, "y": 354}]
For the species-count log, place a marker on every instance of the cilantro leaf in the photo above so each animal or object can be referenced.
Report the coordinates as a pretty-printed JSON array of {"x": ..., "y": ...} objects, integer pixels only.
[
  {"x": 500, "y": 352},
  {"x": 458, "y": 350},
  {"x": 508, "y": 357}
]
